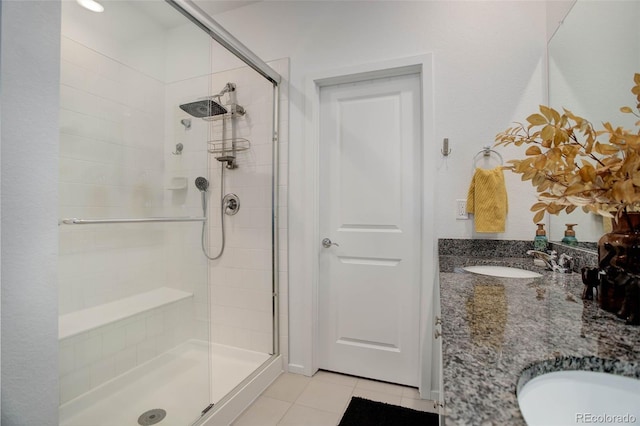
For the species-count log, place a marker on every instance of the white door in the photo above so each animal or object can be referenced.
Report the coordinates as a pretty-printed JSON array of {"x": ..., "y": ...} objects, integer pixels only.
[{"x": 369, "y": 281}]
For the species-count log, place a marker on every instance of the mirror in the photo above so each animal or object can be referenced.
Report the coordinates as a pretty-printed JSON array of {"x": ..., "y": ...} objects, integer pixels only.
[{"x": 592, "y": 60}]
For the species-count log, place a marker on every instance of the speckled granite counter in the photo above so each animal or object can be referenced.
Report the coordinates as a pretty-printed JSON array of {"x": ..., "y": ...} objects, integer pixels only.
[{"x": 494, "y": 328}]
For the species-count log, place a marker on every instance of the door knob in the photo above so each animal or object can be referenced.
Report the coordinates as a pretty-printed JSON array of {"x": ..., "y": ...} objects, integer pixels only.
[{"x": 326, "y": 243}]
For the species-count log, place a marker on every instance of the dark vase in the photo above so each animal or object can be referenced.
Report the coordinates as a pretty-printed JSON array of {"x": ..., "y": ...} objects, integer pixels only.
[{"x": 619, "y": 262}]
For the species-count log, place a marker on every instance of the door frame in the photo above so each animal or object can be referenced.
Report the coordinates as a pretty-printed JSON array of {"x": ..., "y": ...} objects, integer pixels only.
[{"x": 307, "y": 310}]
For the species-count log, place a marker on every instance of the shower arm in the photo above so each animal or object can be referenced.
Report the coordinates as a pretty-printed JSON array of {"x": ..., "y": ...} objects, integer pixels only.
[{"x": 228, "y": 88}]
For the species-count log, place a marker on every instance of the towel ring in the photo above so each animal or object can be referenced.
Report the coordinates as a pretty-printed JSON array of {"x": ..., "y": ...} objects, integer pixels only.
[{"x": 486, "y": 152}]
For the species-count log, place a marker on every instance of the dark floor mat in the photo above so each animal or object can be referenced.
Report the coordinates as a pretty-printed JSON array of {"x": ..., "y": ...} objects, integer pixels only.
[{"x": 363, "y": 412}]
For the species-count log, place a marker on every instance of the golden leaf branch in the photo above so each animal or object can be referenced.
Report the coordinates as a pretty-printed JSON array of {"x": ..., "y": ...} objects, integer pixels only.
[{"x": 608, "y": 179}]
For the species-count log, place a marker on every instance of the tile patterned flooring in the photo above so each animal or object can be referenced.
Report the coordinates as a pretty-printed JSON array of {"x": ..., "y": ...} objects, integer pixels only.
[{"x": 296, "y": 400}]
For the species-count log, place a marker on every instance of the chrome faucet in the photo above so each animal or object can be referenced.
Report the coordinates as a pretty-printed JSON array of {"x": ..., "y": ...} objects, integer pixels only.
[
  {"x": 566, "y": 263},
  {"x": 550, "y": 260}
]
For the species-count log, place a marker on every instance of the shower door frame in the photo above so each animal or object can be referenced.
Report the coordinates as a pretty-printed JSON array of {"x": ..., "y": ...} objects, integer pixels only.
[
  {"x": 199, "y": 17},
  {"x": 196, "y": 15},
  {"x": 229, "y": 407}
]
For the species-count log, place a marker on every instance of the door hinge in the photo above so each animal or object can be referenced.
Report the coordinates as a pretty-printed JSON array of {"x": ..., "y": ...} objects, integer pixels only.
[{"x": 209, "y": 407}]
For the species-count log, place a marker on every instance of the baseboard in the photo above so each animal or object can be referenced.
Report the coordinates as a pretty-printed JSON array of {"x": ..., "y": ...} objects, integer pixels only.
[{"x": 297, "y": 369}]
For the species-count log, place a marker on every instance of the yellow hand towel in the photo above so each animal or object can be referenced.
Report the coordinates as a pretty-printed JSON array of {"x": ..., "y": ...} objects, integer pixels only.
[{"x": 487, "y": 200}]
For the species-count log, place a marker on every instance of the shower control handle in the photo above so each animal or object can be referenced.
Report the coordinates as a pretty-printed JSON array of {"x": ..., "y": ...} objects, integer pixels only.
[
  {"x": 326, "y": 243},
  {"x": 231, "y": 204}
]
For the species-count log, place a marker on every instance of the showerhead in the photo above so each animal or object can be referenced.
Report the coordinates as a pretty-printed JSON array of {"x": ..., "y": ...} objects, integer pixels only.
[
  {"x": 202, "y": 183},
  {"x": 204, "y": 108}
]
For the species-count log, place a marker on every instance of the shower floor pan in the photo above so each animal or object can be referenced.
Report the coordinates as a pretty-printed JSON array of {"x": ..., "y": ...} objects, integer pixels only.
[{"x": 175, "y": 381}]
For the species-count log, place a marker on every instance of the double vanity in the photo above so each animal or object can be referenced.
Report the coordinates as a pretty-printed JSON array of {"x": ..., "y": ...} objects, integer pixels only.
[{"x": 504, "y": 338}]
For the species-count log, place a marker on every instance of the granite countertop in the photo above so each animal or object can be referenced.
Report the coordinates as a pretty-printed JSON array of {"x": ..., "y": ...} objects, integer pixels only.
[{"x": 493, "y": 329}]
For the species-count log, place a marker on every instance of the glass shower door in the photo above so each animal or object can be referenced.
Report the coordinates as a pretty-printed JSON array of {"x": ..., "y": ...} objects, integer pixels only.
[{"x": 133, "y": 289}]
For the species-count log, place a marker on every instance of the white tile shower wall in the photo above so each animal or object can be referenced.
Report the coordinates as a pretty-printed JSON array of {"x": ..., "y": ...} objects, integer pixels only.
[
  {"x": 110, "y": 166},
  {"x": 183, "y": 243},
  {"x": 92, "y": 358},
  {"x": 241, "y": 290}
]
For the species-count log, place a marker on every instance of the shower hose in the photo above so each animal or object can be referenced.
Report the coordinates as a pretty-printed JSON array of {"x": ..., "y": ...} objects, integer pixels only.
[{"x": 204, "y": 212}]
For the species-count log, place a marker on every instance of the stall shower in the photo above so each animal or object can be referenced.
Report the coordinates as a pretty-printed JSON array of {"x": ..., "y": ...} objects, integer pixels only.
[{"x": 168, "y": 231}]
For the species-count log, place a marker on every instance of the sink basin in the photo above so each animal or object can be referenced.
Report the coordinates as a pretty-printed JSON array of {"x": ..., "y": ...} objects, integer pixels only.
[
  {"x": 501, "y": 271},
  {"x": 570, "y": 397}
]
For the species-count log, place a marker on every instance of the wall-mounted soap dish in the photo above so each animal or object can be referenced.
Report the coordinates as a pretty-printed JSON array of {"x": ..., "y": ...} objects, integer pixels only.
[{"x": 177, "y": 183}]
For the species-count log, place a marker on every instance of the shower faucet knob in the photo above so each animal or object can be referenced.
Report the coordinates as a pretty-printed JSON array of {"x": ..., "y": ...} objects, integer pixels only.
[
  {"x": 326, "y": 243},
  {"x": 231, "y": 204}
]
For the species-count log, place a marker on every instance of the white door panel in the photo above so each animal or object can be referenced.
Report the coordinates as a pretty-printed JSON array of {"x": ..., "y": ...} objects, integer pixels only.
[{"x": 370, "y": 201}]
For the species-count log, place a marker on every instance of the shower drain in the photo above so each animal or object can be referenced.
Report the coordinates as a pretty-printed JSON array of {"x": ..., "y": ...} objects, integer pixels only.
[{"x": 152, "y": 417}]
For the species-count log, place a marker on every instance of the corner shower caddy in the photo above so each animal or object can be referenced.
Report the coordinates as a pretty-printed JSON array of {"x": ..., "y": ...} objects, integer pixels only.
[
  {"x": 221, "y": 146},
  {"x": 225, "y": 149}
]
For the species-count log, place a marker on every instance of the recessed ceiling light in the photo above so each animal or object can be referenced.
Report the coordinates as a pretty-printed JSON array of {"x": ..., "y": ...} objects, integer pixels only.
[{"x": 91, "y": 5}]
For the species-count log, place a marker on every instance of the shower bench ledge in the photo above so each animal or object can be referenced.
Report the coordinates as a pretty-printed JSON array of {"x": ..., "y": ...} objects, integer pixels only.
[{"x": 78, "y": 322}]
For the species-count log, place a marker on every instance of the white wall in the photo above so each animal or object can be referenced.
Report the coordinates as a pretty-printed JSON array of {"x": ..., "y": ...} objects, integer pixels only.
[
  {"x": 488, "y": 73},
  {"x": 30, "y": 81},
  {"x": 556, "y": 12}
]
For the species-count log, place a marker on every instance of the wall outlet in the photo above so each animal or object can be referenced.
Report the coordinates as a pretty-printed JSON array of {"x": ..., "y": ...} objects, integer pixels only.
[{"x": 461, "y": 210}]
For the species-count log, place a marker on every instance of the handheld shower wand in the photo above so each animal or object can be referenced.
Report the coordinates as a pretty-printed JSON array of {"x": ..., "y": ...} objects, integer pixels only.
[{"x": 203, "y": 184}]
